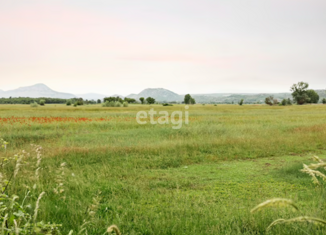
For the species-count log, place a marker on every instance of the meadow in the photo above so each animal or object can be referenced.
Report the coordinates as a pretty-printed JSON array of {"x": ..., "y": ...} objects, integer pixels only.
[{"x": 203, "y": 178}]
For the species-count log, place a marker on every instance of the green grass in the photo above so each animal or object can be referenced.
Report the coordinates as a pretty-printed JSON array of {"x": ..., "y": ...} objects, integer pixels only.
[{"x": 151, "y": 179}]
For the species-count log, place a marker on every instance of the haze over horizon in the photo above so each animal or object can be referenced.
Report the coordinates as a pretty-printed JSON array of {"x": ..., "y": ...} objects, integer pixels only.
[{"x": 186, "y": 46}]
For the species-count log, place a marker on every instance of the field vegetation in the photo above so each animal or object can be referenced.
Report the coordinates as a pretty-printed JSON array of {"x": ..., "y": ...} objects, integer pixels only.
[{"x": 100, "y": 167}]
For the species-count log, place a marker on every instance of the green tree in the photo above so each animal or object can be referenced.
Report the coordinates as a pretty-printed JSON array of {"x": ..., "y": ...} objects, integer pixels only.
[
  {"x": 289, "y": 101},
  {"x": 187, "y": 99},
  {"x": 80, "y": 101},
  {"x": 68, "y": 102},
  {"x": 42, "y": 102},
  {"x": 241, "y": 102},
  {"x": 299, "y": 92},
  {"x": 150, "y": 100},
  {"x": 313, "y": 96},
  {"x": 99, "y": 101},
  {"x": 142, "y": 99},
  {"x": 129, "y": 100},
  {"x": 284, "y": 102},
  {"x": 192, "y": 101},
  {"x": 324, "y": 101}
]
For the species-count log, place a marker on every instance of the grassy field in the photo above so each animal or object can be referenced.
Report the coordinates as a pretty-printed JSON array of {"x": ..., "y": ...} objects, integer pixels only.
[{"x": 151, "y": 179}]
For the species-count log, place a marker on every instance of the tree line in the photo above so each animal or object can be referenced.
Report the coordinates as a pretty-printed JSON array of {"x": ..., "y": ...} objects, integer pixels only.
[
  {"x": 300, "y": 94},
  {"x": 28, "y": 100}
]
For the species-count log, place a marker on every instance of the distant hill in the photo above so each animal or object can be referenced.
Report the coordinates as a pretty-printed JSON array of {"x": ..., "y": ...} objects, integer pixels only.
[
  {"x": 35, "y": 91},
  {"x": 322, "y": 94},
  {"x": 159, "y": 94},
  {"x": 91, "y": 96},
  {"x": 116, "y": 95},
  {"x": 248, "y": 98}
]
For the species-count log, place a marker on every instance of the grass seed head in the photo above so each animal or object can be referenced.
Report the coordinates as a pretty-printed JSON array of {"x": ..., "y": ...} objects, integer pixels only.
[
  {"x": 280, "y": 202},
  {"x": 317, "y": 159},
  {"x": 113, "y": 228},
  {"x": 310, "y": 172},
  {"x": 301, "y": 219},
  {"x": 37, "y": 206}
]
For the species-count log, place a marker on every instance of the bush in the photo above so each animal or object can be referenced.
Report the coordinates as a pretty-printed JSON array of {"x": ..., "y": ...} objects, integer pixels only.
[
  {"x": 114, "y": 104},
  {"x": 166, "y": 104},
  {"x": 324, "y": 101},
  {"x": 34, "y": 105},
  {"x": 241, "y": 102},
  {"x": 269, "y": 100},
  {"x": 76, "y": 104},
  {"x": 284, "y": 102},
  {"x": 68, "y": 103},
  {"x": 289, "y": 101},
  {"x": 80, "y": 102},
  {"x": 313, "y": 97},
  {"x": 42, "y": 102},
  {"x": 106, "y": 104}
]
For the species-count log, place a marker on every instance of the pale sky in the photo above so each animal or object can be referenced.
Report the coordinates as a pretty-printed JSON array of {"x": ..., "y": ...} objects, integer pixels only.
[{"x": 187, "y": 46}]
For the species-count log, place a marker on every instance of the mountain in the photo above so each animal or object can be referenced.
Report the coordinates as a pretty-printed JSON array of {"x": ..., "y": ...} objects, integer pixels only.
[
  {"x": 91, "y": 96},
  {"x": 159, "y": 94},
  {"x": 248, "y": 97},
  {"x": 35, "y": 91},
  {"x": 117, "y": 95}
]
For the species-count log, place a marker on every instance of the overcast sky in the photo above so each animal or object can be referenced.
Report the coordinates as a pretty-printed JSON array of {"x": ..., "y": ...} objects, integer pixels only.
[{"x": 187, "y": 46}]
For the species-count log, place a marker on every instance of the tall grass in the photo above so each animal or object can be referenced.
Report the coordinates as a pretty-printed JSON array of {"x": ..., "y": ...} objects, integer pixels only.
[{"x": 152, "y": 179}]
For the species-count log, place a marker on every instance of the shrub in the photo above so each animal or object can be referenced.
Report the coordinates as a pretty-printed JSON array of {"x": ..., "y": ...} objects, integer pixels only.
[
  {"x": 34, "y": 105},
  {"x": 313, "y": 97},
  {"x": 167, "y": 104},
  {"x": 106, "y": 104},
  {"x": 324, "y": 101},
  {"x": 117, "y": 104},
  {"x": 284, "y": 102},
  {"x": 275, "y": 101},
  {"x": 125, "y": 104},
  {"x": 68, "y": 103},
  {"x": 289, "y": 101},
  {"x": 42, "y": 102},
  {"x": 241, "y": 102},
  {"x": 80, "y": 101},
  {"x": 269, "y": 100},
  {"x": 76, "y": 104}
]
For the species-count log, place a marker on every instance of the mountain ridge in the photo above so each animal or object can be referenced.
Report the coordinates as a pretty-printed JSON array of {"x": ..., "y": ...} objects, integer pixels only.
[
  {"x": 159, "y": 94},
  {"x": 35, "y": 91}
]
